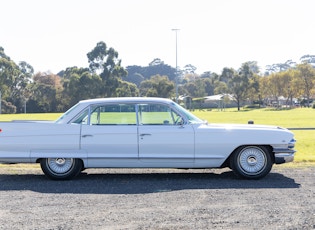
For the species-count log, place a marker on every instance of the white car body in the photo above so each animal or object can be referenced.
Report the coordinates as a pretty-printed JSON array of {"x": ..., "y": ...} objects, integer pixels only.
[{"x": 131, "y": 142}]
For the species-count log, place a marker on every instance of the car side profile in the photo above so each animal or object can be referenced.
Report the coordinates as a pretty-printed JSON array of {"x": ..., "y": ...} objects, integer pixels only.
[{"x": 142, "y": 132}]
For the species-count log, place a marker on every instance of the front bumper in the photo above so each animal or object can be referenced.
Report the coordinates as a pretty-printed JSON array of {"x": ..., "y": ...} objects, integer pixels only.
[
  {"x": 284, "y": 154},
  {"x": 281, "y": 158}
]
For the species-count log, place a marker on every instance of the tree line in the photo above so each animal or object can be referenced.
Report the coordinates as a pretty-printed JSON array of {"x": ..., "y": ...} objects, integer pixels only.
[{"x": 22, "y": 90}]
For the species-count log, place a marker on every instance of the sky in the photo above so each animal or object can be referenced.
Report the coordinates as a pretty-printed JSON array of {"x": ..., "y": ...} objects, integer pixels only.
[{"x": 52, "y": 35}]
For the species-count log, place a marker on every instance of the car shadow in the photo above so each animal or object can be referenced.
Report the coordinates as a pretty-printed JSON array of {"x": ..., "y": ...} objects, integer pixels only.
[{"x": 141, "y": 183}]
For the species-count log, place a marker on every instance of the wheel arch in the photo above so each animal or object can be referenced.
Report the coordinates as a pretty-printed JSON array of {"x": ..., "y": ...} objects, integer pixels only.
[
  {"x": 251, "y": 161},
  {"x": 226, "y": 163}
]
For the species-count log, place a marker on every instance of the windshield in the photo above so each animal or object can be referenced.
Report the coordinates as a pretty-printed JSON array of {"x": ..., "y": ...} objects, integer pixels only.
[
  {"x": 66, "y": 113},
  {"x": 191, "y": 117}
]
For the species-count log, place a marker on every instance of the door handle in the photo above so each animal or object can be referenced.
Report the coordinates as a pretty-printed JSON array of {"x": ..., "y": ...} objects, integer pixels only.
[
  {"x": 145, "y": 134},
  {"x": 87, "y": 135}
]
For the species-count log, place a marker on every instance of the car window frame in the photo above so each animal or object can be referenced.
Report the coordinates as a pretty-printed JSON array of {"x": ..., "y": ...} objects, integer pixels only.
[
  {"x": 171, "y": 109},
  {"x": 88, "y": 110}
]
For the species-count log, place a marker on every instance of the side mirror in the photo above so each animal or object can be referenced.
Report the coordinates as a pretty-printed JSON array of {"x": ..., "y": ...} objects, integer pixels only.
[{"x": 180, "y": 122}]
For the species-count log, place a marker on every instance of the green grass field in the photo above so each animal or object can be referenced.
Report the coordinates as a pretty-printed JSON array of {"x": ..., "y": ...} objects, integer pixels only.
[
  {"x": 30, "y": 116},
  {"x": 295, "y": 118}
]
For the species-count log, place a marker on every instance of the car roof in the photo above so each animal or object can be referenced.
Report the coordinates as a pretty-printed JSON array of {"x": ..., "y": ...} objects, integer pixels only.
[{"x": 125, "y": 100}]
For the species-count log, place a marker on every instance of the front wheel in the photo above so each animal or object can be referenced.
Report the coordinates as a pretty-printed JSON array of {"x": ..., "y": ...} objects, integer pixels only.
[
  {"x": 251, "y": 162},
  {"x": 61, "y": 168}
]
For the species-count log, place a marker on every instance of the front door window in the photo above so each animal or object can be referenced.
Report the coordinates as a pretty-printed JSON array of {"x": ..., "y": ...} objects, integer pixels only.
[{"x": 156, "y": 114}]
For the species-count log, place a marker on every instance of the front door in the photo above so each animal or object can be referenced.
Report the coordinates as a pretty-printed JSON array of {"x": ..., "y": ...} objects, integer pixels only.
[{"x": 163, "y": 137}]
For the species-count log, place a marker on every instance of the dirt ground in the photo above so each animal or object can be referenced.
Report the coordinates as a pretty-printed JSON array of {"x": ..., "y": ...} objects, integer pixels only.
[{"x": 157, "y": 199}]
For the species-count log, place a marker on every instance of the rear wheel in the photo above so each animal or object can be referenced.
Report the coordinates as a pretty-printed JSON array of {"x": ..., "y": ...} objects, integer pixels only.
[
  {"x": 251, "y": 162},
  {"x": 61, "y": 168}
]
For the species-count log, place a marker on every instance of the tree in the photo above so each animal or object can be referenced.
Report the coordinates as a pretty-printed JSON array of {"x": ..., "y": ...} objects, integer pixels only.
[
  {"x": 264, "y": 88},
  {"x": 127, "y": 89},
  {"x": 239, "y": 84},
  {"x": 135, "y": 78},
  {"x": 156, "y": 61},
  {"x": 191, "y": 88},
  {"x": 156, "y": 67},
  {"x": 208, "y": 74},
  {"x": 307, "y": 76},
  {"x": 45, "y": 93},
  {"x": 19, "y": 92},
  {"x": 209, "y": 86},
  {"x": 43, "y": 98},
  {"x": 286, "y": 85},
  {"x": 272, "y": 87},
  {"x": 227, "y": 74},
  {"x": 157, "y": 86},
  {"x": 238, "y": 87},
  {"x": 189, "y": 77},
  {"x": 279, "y": 67},
  {"x": 200, "y": 88},
  {"x": 308, "y": 59},
  {"x": 14, "y": 80},
  {"x": 253, "y": 92},
  {"x": 280, "y": 84},
  {"x": 8, "y": 72},
  {"x": 80, "y": 84},
  {"x": 7, "y": 107},
  {"x": 66, "y": 74},
  {"x": 189, "y": 69},
  {"x": 105, "y": 62},
  {"x": 253, "y": 66},
  {"x": 220, "y": 87}
]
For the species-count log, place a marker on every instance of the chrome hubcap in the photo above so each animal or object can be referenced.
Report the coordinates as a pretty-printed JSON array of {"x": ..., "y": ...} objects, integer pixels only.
[
  {"x": 60, "y": 165},
  {"x": 60, "y": 161},
  {"x": 252, "y": 160}
]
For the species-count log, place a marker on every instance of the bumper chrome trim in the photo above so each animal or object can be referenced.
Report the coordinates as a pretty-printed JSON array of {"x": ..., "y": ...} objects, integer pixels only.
[{"x": 281, "y": 158}]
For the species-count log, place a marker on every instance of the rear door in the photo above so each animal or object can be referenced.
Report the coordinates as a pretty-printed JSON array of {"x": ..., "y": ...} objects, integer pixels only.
[{"x": 110, "y": 133}]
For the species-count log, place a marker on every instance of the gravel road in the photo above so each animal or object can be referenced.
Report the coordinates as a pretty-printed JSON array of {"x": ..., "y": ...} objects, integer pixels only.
[{"x": 157, "y": 199}]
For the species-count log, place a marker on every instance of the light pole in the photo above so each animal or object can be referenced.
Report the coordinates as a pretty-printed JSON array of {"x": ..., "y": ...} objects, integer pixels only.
[{"x": 176, "y": 74}]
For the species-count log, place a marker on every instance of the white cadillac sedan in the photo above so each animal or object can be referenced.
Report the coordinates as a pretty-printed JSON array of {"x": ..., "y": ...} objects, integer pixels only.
[{"x": 142, "y": 133}]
